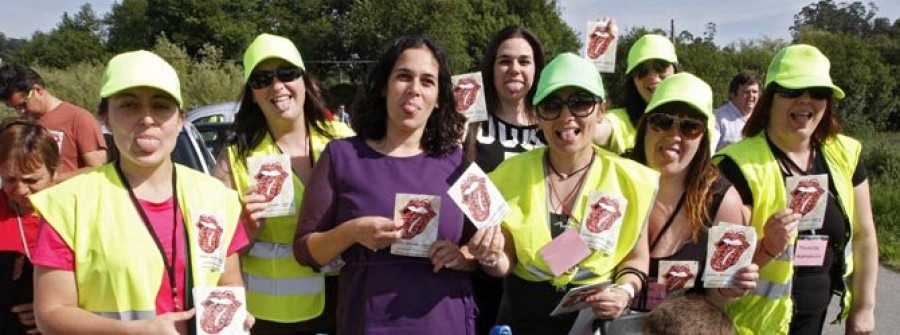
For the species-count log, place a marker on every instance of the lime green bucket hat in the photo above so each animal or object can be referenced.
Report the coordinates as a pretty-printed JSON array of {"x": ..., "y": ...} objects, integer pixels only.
[
  {"x": 650, "y": 47},
  {"x": 140, "y": 69},
  {"x": 801, "y": 66},
  {"x": 687, "y": 88},
  {"x": 267, "y": 46},
  {"x": 569, "y": 70}
]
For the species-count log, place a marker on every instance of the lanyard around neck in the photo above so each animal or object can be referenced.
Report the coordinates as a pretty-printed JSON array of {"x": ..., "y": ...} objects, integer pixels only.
[{"x": 169, "y": 264}]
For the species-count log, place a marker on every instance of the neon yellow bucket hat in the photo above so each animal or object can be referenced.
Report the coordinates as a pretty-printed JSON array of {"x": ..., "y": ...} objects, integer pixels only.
[
  {"x": 650, "y": 47},
  {"x": 267, "y": 46},
  {"x": 801, "y": 66},
  {"x": 687, "y": 88},
  {"x": 567, "y": 70},
  {"x": 140, "y": 69}
]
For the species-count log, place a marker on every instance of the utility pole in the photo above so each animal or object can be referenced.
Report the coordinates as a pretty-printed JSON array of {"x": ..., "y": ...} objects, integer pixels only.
[{"x": 672, "y": 30}]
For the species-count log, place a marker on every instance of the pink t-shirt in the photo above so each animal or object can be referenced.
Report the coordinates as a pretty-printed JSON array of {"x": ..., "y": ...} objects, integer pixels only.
[{"x": 53, "y": 252}]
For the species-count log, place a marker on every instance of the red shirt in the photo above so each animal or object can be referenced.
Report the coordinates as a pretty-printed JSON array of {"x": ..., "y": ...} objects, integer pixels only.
[
  {"x": 53, "y": 252},
  {"x": 10, "y": 235}
]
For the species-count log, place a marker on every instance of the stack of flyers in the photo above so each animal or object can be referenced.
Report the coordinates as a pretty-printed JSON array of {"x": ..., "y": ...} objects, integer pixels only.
[
  {"x": 420, "y": 215},
  {"x": 729, "y": 248},
  {"x": 574, "y": 300},
  {"x": 273, "y": 178},
  {"x": 808, "y": 196},
  {"x": 468, "y": 89},
  {"x": 601, "y": 43},
  {"x": 478, "y": 198},
  {"x": 220, "y": 310}
]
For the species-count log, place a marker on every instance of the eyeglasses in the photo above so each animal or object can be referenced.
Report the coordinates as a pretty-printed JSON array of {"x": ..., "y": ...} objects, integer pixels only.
[
  {"x": 689, "y": 128},
  {"x": 652, "y": 66},
  {"x": 817, "y": 93},
  {"x": 260, "y": 79},
  {"x": 20, "y": 107},
  {"x": 580, "y": 105}
]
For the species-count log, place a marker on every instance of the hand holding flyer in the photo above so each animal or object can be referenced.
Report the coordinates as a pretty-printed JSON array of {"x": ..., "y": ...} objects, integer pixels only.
[
  {"x": 420, "y": 215},
  {"x": 730, "y": 247},
  {"x": 575, "y": 299},
  {"x": 273, "y": 179}
]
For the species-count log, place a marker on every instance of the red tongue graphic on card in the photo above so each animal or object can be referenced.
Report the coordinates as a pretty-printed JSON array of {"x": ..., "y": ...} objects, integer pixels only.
[
  {"x": 600, "y": 40},
  {"x": 465, "y": 92},
  {"x": 416, "y": 215},
  {"x": 604, "y": 212},
  {"x": 677, "y": 277},
  {"x": 220, "y": 307},
  {"x": 270, "y": 180},
  {"x": 475, "y": 196},
  {"x": 210, "y": 233},
  {"x": 805, "y": 196},
  {"x": 728, "y": 250}
]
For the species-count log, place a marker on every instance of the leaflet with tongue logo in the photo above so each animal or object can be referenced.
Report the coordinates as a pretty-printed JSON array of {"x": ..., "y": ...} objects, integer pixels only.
[
  {"x": 730, "y": 247},
  {"x": 468, "y": 91},
  {"x": 478, "y": 198},
  {"x": 677, "y": 275},
  {"x": 806, "y": 197},
  {"x": 272, "y": 178},
  {"x": 420, "y": 216},
  {"x": 601, "y": 43},
  {"x": 210, "y": 233},
  {"x": 220, "y": 310},
  {"x": 602, "y": 221}
]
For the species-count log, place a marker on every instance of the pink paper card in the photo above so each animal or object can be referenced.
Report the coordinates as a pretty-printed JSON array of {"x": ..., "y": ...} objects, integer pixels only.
[
  {"x": 564, "y": 252},
  {"x": 810, "y": 250}
]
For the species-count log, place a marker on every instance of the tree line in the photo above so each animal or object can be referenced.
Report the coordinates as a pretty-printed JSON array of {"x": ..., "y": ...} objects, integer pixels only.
[{"x": 339, "y": 39}]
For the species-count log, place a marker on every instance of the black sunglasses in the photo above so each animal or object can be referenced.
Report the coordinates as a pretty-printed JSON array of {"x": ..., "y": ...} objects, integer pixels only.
[
  {"x": 689, "y": 128},
  {"x": 654, "y": 66},
  {"x": 580, "y": 105},
  {"x": 263, "y": 78},
  {"x": 817, "y": 93}
]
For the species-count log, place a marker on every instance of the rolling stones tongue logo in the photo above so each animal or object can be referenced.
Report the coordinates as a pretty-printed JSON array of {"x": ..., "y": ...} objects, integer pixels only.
[
  {"x": 210, "y": 233},
  {"x": 416, "y": 215},
  {"x": 728, "y": 250},
  {"x": 604, "y": 213},
  {"x": 805, "y": 196},
  {"x": 677, "y": 277},
  {"x": 269, "y": 180},
  {"x": 601, "y": 38},
  {"x": 476, "y": 198},
  {"x": 220, "y": 307},
  {"x": 465, "y": 92}
]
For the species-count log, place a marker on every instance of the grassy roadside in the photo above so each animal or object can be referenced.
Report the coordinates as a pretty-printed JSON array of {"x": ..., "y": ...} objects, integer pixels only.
[{"x": 882, "y": 159}]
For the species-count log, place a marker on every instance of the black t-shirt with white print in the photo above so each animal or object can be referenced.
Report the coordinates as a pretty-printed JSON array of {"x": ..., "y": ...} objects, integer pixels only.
[{"x": 498, "y": 140}]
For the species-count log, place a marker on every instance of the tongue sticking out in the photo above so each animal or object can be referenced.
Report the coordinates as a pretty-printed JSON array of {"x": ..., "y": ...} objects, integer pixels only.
[
  {"x": 801, "y": 119},
  {"x": 569, "y": 135},
  {"x": 147, "y": 144},
  {"x": 282, "y": 103},
  {"x": 515, "y": 86}
]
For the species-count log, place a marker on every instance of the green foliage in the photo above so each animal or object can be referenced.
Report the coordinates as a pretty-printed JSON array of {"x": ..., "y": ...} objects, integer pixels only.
[
  {"x": 882, "y": 161},
  {"x": 75, "y": 39}
]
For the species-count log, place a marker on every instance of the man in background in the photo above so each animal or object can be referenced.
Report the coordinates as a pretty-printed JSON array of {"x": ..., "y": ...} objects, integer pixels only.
[
  {"x": 77, "y": 133},
  {"x": 731, "y": 117}
]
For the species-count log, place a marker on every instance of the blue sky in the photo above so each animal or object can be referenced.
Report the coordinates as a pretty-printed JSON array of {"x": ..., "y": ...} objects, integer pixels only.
[{"x": 735, "y": 20}]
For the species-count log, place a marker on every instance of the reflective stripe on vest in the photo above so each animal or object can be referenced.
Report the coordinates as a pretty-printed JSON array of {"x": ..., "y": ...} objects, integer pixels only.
[
  {"x": 772, "y": 291},
  {"x": 527, "y": 219},
  {"x": 128, "y": 315},
  {"x": 272, "y": 286}
]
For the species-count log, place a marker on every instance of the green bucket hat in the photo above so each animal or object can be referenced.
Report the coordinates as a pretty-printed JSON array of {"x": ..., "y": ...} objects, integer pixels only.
[
  {"x": 687, "y": 88},
  {"x": 267, "y": 46},
  {"x": 140, "y": 69},
  {"x": 651, "y": 47},
  {"x": 567, "y": 70},
  {"x": 801, "y": 66}
]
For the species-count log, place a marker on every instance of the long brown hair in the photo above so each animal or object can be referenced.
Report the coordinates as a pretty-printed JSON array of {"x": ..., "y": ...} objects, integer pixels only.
[{"x": 701, "y": 173}]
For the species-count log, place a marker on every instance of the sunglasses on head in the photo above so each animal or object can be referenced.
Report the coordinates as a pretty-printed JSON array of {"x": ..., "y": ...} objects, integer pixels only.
[
  {"x": 263, "y": 78},
  {"x": 817, "y": 93},
  {"x": 652, "y": 66},
  {"x": 688, "y": 127},
  {"x": 580, "y": 105}
]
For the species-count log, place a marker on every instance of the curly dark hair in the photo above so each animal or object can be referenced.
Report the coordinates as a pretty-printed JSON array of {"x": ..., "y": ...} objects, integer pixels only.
[
  {"x": 250, "y": 127},
  {"x": 759, "y": 119},
  {"x": 17, "y": 78},
  {"x": 444, "y": 127},
  {"x": 702, "y": 174}
]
